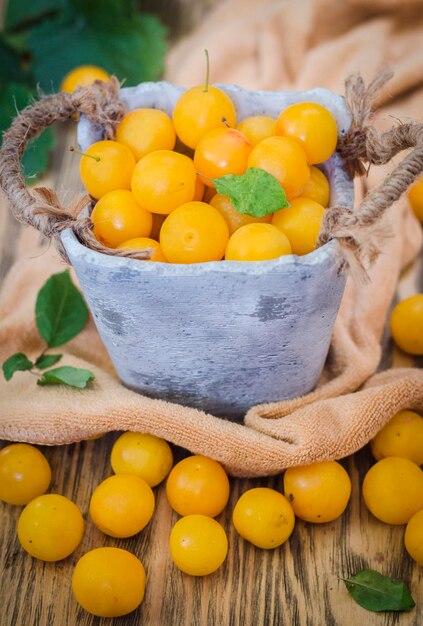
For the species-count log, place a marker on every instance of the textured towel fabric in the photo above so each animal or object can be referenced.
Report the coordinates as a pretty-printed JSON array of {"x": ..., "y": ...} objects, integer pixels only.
[{"x": 273, "y": 45}]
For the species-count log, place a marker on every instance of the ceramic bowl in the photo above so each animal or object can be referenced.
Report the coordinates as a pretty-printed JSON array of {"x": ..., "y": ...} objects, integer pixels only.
[{"x": 220, "y": 336}]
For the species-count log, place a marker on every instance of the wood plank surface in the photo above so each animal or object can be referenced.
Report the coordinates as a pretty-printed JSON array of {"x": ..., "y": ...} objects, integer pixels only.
[{"x": 295, "y": 585}]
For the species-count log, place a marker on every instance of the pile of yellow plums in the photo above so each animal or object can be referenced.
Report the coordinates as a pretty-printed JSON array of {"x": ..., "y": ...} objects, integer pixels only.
[
  {"x": 109, "y": 581},
  {"x": 154, "y": 185}
]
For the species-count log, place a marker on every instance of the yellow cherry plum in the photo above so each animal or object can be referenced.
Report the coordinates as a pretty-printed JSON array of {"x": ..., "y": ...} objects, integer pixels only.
[
  {"x": 163, "y": 180},
  {"x": 146, "y": 130},
  {"x": 285, "y": 159}
]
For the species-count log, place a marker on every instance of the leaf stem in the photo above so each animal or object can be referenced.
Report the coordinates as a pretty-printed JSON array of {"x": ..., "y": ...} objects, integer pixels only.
[
  {"x": 41, "y": 354},
  {"x": 92, "y": 156},
  {"x": 206, "y": 84},
  {"x": 204, "y": 176},
  {"x": 353, "y": 582},
  {"x": 34, "y": 373}
]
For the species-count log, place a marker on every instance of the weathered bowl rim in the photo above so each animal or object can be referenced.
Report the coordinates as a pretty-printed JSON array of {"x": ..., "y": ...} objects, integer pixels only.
[
  {"x": 317, "y": 257},
  {"x": 152, "y": 91}
]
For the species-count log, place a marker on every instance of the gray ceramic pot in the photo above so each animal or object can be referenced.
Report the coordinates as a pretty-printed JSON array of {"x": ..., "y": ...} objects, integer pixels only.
[{"x": 225, "y": 335}]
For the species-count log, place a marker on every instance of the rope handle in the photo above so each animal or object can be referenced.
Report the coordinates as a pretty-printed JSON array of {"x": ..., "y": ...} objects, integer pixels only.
[
  {"x": 40, "y": 207},
  {"x": 357, "y": 230}
]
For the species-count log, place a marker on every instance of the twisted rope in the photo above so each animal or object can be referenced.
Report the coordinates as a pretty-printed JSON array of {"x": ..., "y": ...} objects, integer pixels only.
[
  {"x": 40, "y": 207},
  {"x": 360, "y": 231}
]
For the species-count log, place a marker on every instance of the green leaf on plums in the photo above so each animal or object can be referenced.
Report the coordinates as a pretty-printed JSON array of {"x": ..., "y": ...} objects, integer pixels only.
[{"x": 256, "y": 193}]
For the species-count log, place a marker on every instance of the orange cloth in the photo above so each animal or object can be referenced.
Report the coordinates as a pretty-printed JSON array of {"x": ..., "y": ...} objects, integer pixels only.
[{"x": 281, "y": 46}]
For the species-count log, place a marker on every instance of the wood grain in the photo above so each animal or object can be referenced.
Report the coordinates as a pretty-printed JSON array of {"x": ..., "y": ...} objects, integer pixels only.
[{"x": 294, "y": 585}]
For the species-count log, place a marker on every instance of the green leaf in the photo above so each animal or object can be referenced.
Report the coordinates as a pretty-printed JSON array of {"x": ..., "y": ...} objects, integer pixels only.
[
  {"x": 16, "y": 363},
  {"x": 47, "y": 360},
  {"x": 36, "y": 158},
  {"x": 112, "y": 11},
  {"x": 255, "y": 193},
  {"x": 66, "y": 375},
  {"x": 376, "y": 592},
  {"x": 60, "y": 310},
  {"x": 13, "y": 98},
  {"x": 131, "y": 48},
  {"x": 16, "y": 41},
  {"x": 21, "y": 12},
  {"x": 10, "y": 66}
]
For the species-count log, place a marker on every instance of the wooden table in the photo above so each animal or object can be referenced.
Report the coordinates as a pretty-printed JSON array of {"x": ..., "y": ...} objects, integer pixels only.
[{"x": 295, "y": 585}]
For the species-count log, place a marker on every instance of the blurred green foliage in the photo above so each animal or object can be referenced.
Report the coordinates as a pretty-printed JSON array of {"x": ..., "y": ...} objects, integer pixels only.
[{"x": 42, "y": 40}]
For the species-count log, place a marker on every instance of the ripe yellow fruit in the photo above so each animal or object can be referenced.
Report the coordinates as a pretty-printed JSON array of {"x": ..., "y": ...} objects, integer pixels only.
[
  {"x": 257, "y": 242},
  {"x": 415, "y": 196},
  {"x": 117, "y": 217},
  {"x": 198, "y": 545},
  {"x": 109, "y": 582},
  {"x": 313, "y": 126},
  {"x": 264, "y": 517},
  {"x": 144, "y": 455},
  {"x": 406, "y": 324},
  {"x": 110, "y": 169},
  {"x": 257, "y": 127},
  {"x": 221, "y": 151},
  {"x": 140, "y": 243},
  {"x": 146, "y": 130},
  {"x": 50, "y": 527},
  {"x": 413, "y": 537},
  {"x": 24, "y": 473},
  {"x": 301, "y": 224},
  {"x": 81, "y": 76},
  {"x": 199, "y": 110},
  {"x": 285, "y": 159},
  {"x": 318, "y": 492},
  {"x": 198, "y": 485},
  {"x": 194, "y": 233},
  {"x": 393, "y": 490},
  {"x": 232, "y": 217},
  {"x": 317, "y": 188},
  {"x": 163, "y": 180},
  {"x": 401, "y": 436},
  {"x": 122, "y": 505}
]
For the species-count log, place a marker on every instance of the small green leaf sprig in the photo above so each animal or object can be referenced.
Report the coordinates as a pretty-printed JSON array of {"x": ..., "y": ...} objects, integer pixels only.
[
  {"x": 60, "y": 314},
  {"x": 376, "y": 592},
  {"x": 256, "y": 193}
]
